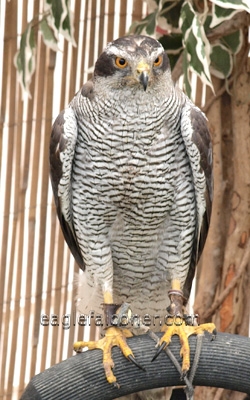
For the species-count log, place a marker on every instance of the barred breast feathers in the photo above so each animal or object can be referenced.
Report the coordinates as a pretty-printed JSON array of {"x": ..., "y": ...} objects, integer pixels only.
[{"x": 97, "y": 102}]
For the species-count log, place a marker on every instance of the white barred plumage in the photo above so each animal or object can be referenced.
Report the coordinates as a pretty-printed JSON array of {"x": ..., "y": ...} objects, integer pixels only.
[
  {"x": 131, "y": 174},
  {"x": 131, "y": 171}
]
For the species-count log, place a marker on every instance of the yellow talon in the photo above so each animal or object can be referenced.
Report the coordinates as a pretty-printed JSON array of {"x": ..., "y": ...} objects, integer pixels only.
[
  {"x": 184, "y": 331},
  {"x": 113, "y": 337},
  {"x": 176, "y": 325}
]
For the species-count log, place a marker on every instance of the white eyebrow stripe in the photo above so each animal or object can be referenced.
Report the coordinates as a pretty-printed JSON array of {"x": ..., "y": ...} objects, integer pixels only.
[{"x": 117, "y": 51}]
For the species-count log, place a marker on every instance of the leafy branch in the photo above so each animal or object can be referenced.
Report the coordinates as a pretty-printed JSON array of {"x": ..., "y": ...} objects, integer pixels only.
[
  {"x": 202, "y": 36},
  {"x": 54, "y": 21},
  {"x": 199, "y": 36}
]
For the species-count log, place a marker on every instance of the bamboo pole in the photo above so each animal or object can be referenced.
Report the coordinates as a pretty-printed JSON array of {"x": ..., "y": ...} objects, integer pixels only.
[
  {"x": 72, "y": 66},
  {"x": 26, "y": 217},
  {"x": 34, "y": 241},
  {"x": 9, "y": 109},
  {"x": 16, "y": 241},
  {"x": 111, "y": 12},
  {"x": 21, "y": 334},
  {"x": 123, "y": 16}
]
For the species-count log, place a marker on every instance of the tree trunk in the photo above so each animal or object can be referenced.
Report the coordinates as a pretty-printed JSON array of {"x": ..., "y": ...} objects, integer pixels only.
[{"x": 223, "y": 285}]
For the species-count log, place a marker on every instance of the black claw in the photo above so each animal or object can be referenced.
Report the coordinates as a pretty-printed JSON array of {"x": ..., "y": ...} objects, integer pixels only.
[
  {"x": 183, "y": 375},
  {"x": 78, "y": 351},
  {"x": 131, "y": 358},
  {"x": 159, "y": 351},
  {"x": 214, "y": 334},
  {"x": 116, "y": 385}
]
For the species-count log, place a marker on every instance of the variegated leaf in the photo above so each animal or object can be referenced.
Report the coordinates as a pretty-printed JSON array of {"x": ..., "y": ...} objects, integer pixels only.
[
  {"x": 151, "y": 23},
  {"x": 239, "y": 5},
  {"x": 234, "y": 41},
  {"x": 48, "y": 35},
  {"x": 60, "y": 18},
  {"x": 196, "y": 45},
  {"x": 221, "y": 61},
  {"x": 220, "y": 14},
  {"x": 25, "y": 60}
]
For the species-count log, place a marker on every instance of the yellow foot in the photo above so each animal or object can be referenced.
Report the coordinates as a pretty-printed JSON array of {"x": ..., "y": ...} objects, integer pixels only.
[
  {"x": 113, "y": 337},
  {"x": 183, "y": 331}
]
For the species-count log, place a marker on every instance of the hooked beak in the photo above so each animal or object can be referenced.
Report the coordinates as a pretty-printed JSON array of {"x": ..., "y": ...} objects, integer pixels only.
[
  {"x": 143, "y": 77},
  {"x": 143, "y": 70}
]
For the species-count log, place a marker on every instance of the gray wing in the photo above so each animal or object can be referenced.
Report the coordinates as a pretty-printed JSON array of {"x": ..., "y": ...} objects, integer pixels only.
[
  {"x": 62, "y": 148},
  {"x": 199, "y": 149}
]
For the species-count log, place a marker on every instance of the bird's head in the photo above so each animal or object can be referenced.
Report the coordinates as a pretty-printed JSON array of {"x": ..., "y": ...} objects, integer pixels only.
[{"x": 134, "y": 60}]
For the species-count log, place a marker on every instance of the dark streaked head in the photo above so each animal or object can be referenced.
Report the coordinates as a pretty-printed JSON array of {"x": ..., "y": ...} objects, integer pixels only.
[{"x": 134, "y": 60}]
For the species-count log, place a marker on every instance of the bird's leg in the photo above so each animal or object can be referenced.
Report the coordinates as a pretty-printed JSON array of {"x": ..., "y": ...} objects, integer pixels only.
[
  {"x": 176, "y": 325},
  {"x": 108, "y": 297},
  {"x": 176, "y": 299},
  {"x": 114, "y": 336}
]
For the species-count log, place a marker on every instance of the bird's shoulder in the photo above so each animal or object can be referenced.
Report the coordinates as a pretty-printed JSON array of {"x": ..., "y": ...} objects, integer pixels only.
[
  {"x": 196, "y": 132},
  {"x": 64, "y": 129},
  {"x": 62, "y": 148},
  {"x": 87, "y": 90},
  {"x": 198, "y": 144}
]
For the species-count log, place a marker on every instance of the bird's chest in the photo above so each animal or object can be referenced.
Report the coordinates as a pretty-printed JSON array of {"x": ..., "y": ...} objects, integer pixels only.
[{"x": 131, "y": 161}]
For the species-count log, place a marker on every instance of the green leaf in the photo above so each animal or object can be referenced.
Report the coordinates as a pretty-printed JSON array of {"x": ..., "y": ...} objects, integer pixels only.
[
  {"x": 173, "y": 58},
  {"x": 191, "y": 48},
  {"x": 137, "y": 27},
  {"x": 57, "y": 12},
  {"x": 234, "y": 41},
  {"x": 196, "y": 45},
  {"x": 172, "y": 43},
  {"x": 221, "y": 61},
  {"x": 146, "y": 24},
  {"x": 220, "y": 15},
  {"x": 151, "y": 22},
  {"x": 171, "y": 12},
  {"x": 24, "y": 59},
  {"x": 187, "y": 85},
  {"x": 48, "y": 35},
  {"x": 67, "y": 28},
  {"x": 186, "y": 17},
  {"x": 60, "y": 18},
  {"x": 207, "y": 22},
  {"x": 239, "y": 5}
]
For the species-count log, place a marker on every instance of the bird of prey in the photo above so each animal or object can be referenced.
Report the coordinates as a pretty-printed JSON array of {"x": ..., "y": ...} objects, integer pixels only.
[{"x": 131, "y": 171}]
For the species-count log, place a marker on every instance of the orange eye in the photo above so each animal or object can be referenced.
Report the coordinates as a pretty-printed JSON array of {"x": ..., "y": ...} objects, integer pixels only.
[
  {"x": 121, "y": 62},
  {"x": 158, "y": 61}
]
